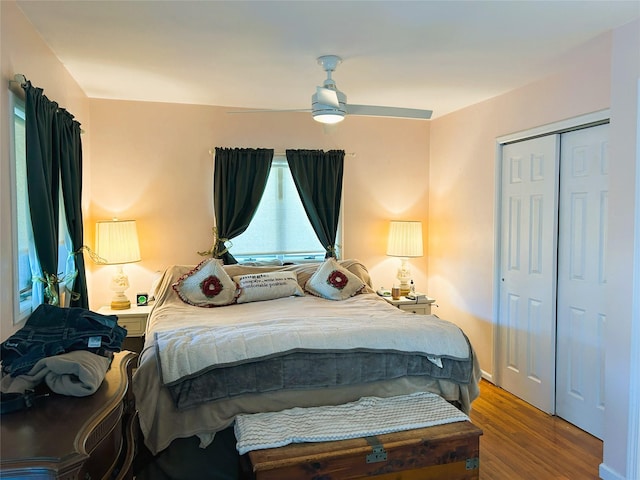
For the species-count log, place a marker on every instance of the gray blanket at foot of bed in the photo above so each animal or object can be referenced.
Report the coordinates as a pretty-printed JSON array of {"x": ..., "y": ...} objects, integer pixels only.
[{"x": 309, "y": 370}]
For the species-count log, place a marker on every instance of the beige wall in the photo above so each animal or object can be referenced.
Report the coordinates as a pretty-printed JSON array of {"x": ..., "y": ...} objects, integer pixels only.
[
  {"x": 462, "y": 190},
  {"x": 151, "y": 162},
  {"x": 461, "y": 263},
  {"x": 23, "y": 51}
]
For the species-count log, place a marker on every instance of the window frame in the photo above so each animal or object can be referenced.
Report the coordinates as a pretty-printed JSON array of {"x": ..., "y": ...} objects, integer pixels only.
[{"x": 21, "y": 308}]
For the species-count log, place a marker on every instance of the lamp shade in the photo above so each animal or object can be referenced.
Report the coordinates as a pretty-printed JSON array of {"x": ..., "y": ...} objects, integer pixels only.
[
  {"x": 117, "y": 241},
  {"x": 405, "y": 239}
]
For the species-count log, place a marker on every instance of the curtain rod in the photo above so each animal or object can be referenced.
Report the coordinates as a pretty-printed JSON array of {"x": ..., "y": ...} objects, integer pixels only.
[
  {"x": 283, "y": 154},
  {"x": 21, "y": 80},
  {"x": 16, "y": 84}
]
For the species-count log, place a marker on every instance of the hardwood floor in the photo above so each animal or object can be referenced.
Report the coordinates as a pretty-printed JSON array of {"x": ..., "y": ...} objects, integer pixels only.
[{"x": 521, "y": 442}]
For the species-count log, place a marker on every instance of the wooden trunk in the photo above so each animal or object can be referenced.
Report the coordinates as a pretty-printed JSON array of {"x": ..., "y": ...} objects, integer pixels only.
[{"x": 449, "y": 451}]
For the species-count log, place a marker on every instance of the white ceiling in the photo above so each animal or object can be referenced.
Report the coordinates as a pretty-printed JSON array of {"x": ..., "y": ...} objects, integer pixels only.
[{"x": 440, "y": 55}]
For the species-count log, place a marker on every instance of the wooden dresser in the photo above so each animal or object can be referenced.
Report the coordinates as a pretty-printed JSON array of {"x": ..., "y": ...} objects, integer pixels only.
[{"x": 65, "y": 437}]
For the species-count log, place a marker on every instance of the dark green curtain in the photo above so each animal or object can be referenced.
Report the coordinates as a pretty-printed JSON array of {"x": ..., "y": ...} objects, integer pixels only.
[
  {"x": 318, "y": 179},
  {"x": 70, "y": 148},
  {"x": 43, "y": 174},
  {"x": 54, "y": 154},
  {"x": 239, "y": 179}
]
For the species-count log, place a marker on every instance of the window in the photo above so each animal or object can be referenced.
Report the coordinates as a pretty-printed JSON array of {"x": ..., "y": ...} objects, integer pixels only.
[
  {"x": 22, "y": 224},
  {"x": 280, "y": 228}
]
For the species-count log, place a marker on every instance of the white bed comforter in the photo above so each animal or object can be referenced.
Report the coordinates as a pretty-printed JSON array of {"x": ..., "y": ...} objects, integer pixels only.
[{"x": 305, "y": 324}]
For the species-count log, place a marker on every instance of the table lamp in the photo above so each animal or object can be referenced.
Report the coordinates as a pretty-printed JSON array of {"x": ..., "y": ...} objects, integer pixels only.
[
  {"x": 117, "y": 244},
  {"x": 405, "y": 241}
]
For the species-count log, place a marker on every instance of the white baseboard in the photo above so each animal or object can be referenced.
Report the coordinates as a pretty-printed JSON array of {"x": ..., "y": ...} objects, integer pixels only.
[
  {"x": 607, "y": 474},
  {"x": 487, "y": 376}
]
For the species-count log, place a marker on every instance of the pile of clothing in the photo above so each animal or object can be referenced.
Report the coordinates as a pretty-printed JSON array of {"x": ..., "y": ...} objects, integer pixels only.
[{"x": 69, "y": 349}]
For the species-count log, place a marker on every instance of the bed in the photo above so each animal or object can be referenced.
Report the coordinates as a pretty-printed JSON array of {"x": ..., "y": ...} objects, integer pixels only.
[{"x": 201, "y": 367}]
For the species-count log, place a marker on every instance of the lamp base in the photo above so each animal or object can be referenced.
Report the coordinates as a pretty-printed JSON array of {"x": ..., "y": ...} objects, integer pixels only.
[
  {"x": 120, "y": 304},
  {"x": 404, "y": 275},
  {"x": 119, "y": 284}
]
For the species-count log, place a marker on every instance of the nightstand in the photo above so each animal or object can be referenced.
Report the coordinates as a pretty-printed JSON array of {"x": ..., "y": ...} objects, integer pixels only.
[
  {"x": 134, "y": 319},
  {"x": 66, "y": 437},
  {"x": 408, "y": 305}
]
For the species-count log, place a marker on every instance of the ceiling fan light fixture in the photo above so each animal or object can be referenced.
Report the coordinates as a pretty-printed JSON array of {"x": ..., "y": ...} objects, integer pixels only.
[
  {"x": 329, "y": 114},
  {"x": 328, "y": 117}
]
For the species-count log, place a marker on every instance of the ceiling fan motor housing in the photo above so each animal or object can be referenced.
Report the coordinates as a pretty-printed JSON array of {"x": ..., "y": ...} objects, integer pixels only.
[{"x": 321, "y": 109}]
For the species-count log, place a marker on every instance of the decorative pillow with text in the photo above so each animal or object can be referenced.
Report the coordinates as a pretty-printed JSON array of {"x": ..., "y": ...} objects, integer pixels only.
[
  {"x": 333, "y": 282},
  {"x": 267, "y": 286},
  {"x": 207, "y": 285}
]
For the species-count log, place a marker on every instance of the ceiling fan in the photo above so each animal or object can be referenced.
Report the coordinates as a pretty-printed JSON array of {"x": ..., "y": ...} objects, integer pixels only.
[{"x": 329, "y": 105}]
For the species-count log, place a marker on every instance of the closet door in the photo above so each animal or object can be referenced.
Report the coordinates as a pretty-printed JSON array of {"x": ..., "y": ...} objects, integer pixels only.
[
  {"x": 582, "y": 278},
  {"x": 527, "y": 308}
]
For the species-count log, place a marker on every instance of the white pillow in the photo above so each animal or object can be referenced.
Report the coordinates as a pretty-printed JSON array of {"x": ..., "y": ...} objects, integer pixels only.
[
  {"x": 267, "y": 286},
  {"x": 207, "y": 285},
  {"x": 333, "y": 282}
]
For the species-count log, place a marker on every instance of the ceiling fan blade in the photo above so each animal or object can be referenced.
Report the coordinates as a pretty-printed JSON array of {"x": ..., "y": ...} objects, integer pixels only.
[
  {"x": 271, "y": 110},
  {"x": 396, "y": 112},
  {"x": 327, "y": 96}
]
